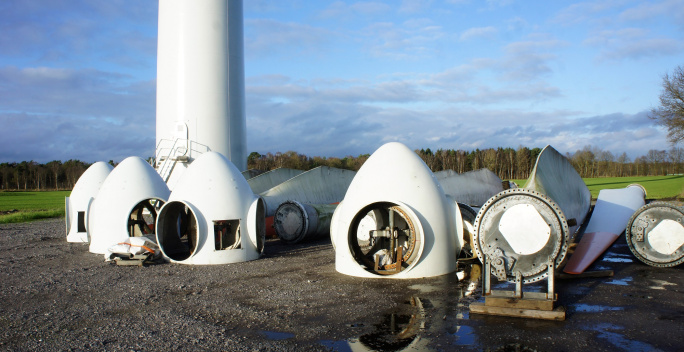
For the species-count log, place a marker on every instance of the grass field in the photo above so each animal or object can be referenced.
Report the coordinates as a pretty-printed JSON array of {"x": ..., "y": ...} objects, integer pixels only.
[
  {"x": 27, "y": 206},
  {"x": 657, "y": 187}
]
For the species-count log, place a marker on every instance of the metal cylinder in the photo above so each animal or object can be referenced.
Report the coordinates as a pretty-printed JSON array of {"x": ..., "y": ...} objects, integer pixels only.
[
  {"x": 295, "y": 222},
  {"x": 200, "y": 78}
]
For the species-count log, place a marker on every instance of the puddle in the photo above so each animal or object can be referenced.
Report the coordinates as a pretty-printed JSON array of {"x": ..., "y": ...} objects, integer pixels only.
[
  {"x": 660, "y": 284},
  {"x": 424, "y": 288},
  {"x": 617, "y": 258},
  {"x": 340, "y": 346},
  {"x": 397, "y": 331},
  {"x": 465, "y": 335},
  {"x": 622, "y": 282},
  {"x": 273, "y": 335},
  {"x": 588, "y": 308},
  {"x": 619, "y": 340}
]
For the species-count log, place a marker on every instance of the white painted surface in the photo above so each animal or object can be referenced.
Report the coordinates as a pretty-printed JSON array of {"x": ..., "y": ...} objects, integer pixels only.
[
  {"x": 215, "y": 190},
  {"x": 613, "y": 209},
  {"x": 666, "y": 237},
  {"x": 524, "y": 229},
  {"x": 395, "y": 174},
  {"x": 131, "y": 182},
  {"x": 200, "y": 75},
  {"x": 86, "y": 189}
]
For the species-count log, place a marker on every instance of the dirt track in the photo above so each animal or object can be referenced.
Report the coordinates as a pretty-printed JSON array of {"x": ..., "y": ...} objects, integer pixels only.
[{"x": 57, "y": 296}]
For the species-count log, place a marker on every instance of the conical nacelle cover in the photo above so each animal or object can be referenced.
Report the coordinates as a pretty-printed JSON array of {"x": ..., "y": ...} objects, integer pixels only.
[
  {"x": 131, "y": 192},
  {"x": 395, "y": 220},
  {"x": 212, "y": 216},
  {"x": 78, "y": 202}
]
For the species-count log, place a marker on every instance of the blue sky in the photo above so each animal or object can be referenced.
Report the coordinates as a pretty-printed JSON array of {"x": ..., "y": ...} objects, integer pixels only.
[{"x": 337, "y": 78}]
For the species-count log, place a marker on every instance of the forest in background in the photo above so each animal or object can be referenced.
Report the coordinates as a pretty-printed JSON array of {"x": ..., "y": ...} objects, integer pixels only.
[{"x": 507, "y": 163}]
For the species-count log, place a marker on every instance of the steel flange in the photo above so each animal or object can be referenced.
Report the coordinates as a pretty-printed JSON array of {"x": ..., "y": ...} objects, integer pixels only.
[
  {"x": 521, "y": 231},
  {"x": 655, "y": 234}
]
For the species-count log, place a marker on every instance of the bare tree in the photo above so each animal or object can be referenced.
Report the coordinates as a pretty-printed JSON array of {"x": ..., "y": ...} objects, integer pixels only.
[
  {"x": 622, "y": 161},
  {"x": 670, "y": 113},
  {"x": 676, "y": 156}
]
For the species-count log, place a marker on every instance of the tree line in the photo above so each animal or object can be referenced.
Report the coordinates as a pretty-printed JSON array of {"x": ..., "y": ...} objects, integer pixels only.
[
  {"x": 30, "y": 175},
  {"x": 507, "y": 163}
]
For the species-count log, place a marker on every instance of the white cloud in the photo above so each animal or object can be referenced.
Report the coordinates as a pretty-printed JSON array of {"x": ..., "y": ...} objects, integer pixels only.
[
  {"x": 79, "y": 83},
  {"x": 407, "y": 42},
  {"x": 530, "y": 60},
  {"x": 63, "y": 114},
  {"x": 516, "y": 24},
  {"x": 270, "y": 37},
  {"x": 632, "y": 43},
  {"x": 586, "y": 11},
  {"x": 499, "y": 3},
  {"x": 340, "y": 9},
  {"x": 479, "y": 33},
  {"x": 413, "y": 6},
  {"x": 653, "y": 9}
]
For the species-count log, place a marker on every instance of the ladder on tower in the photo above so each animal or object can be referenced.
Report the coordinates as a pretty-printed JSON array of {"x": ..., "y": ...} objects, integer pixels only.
[{"x": 166, "y": 158}]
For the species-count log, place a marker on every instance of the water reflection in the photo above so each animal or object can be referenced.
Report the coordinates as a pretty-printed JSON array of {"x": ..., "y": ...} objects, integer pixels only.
[
  {"x": 589, "y": 308},
  {"x": 396, "y": 332},
  {"x": 408, "y": 328},
  {"x": 274, "y": 335},
  {"x": 617, "y": 258},
  {"x": 622, "y": 282},
  {"x": 465, "y": 335},
  {"x": 609, "y": 333},
  {"x": 660, "y": 284}
]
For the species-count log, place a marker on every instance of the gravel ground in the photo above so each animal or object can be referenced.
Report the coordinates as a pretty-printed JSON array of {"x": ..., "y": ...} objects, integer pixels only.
[{"x": 57, "y": 296}]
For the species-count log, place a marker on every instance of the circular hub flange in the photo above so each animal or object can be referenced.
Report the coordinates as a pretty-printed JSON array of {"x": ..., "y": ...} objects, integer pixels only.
[
  {"x": 392, "y": 227},
  {"x": 291, "y": 222},
  {"x": 655, "y": 234},
  {"x": 520, "y": 230}
]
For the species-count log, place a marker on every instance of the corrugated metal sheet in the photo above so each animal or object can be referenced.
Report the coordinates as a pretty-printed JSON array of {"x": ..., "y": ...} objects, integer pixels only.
[
  {"x": 270, "y": 179},
  {"x": 322, "y": 185},
  {"x": 247, "y": 174},
  {"x": 473, "y": 187}
]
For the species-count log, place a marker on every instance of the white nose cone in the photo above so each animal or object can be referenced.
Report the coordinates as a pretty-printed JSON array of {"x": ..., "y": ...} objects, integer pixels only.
[
  {"x": 77, "y": 203},
  {"x": 395, "y": 220},
  {"x": 212, "y": 216},
  {"x": 126, "y": 204}
]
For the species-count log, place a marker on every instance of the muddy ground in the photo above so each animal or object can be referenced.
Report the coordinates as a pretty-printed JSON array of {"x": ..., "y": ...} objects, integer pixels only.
[{"x": 57, "y": 296}]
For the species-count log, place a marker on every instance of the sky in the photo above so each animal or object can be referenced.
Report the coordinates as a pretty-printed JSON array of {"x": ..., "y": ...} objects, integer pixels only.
[{"x": 339, "y": 78}]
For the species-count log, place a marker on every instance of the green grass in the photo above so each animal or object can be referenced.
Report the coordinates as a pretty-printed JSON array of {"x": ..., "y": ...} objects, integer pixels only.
[
  {"x": 26, "y": 206},
  {"x": 50, "y": 204},
  {"x": 657, "y": 187}
]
